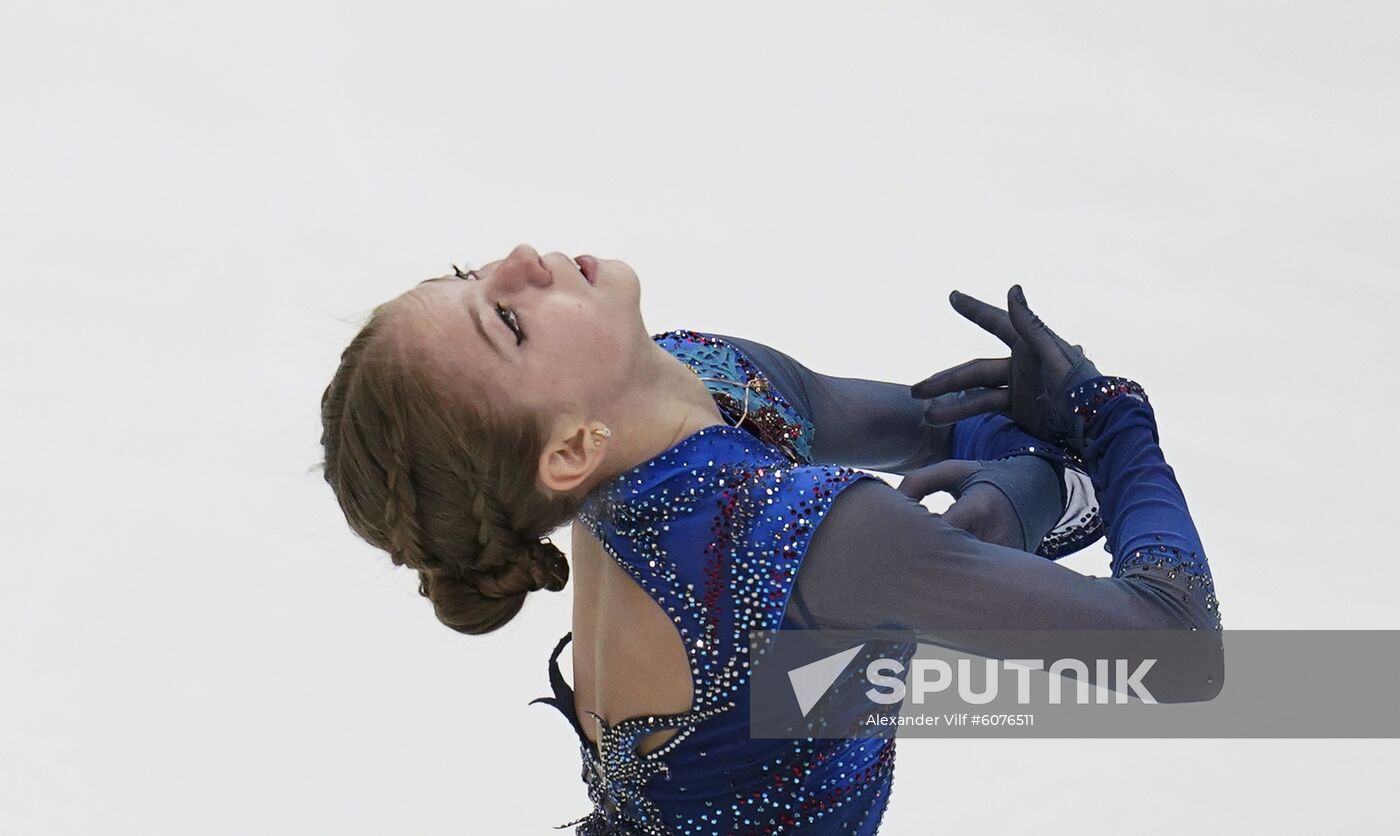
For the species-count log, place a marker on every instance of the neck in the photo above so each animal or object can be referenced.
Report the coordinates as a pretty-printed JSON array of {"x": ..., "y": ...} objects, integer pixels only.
[{"x": 670, "y": 405}]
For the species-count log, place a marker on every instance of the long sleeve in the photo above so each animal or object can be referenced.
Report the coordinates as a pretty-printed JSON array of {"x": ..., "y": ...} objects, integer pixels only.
[
  {"x": 859, "y": 423},
  {"x": 880, "y": 426},
  {"x": 880, "y": 559}
]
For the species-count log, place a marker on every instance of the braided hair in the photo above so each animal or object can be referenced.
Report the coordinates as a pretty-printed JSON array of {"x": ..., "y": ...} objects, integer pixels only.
[{"x": 444, "y": 482}]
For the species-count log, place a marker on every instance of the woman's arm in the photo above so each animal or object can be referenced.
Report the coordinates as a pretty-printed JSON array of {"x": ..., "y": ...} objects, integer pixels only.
[
  {"x": 917, "y": 572},
  {"x": 1160, "y": 574},
  {"x": 881, "y": 426},
  {"x": 859, "y": 423},
  {"x": 876, "y": 425}
]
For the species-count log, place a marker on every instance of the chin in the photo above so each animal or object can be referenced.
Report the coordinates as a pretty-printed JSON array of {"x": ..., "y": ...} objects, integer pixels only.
[
  {"x": 632, "y": 291},
  {"x": 624, "y": 274}
]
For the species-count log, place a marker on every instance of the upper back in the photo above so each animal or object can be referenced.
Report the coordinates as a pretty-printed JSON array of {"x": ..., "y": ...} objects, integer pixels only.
[{"x": 709, "y": 534}]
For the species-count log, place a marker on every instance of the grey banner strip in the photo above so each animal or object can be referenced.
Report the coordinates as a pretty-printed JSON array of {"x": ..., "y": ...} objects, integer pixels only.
[{"x": 1157, "y": 684}]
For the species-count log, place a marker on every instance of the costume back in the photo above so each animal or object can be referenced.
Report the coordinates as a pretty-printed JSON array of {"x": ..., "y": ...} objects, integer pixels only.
[{"x": 714, "y": 529}]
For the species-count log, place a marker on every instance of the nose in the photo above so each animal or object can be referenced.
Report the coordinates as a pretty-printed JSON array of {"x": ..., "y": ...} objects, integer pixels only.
[{"x": 524, "y": 266}]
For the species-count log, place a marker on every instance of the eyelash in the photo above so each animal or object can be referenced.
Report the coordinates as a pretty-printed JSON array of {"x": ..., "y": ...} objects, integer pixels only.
[
  {"x": 512, "y": 322},
  {"x": 507, "y": 315}
]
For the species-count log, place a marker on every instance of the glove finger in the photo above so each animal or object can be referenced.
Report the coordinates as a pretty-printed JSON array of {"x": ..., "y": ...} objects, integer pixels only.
[
  {"x": 991, "y": 319},
  {"x": 973, "y": 373},
  {"x": 1045, "y": 342},
  {"x": 944, "y": 476},
  {"x": 954, "y": 407}
]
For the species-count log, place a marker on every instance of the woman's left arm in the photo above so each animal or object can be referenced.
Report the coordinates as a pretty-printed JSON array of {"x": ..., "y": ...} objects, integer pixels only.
[
  {"x": 880, "y": 426},
  {"x": 859, "y": 423}
]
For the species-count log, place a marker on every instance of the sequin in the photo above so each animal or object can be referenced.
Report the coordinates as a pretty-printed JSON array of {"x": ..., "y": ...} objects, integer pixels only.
[
  {"x": 714, "y": 529},
  {"x": 1082, "y": 525},
  {"x": 771, "y": 416},
  {"x": 1160, "y": 560},
  {"x": 1089, "y": 397}
]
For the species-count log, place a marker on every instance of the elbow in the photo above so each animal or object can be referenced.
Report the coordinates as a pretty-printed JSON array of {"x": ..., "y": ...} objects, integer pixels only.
[
  {"x": 1184, "y": 637},
  {"x": 1199, "y": 674},
  {"x": 1195, "y": 662},
  {"x": 1192, "y": 641},
  {"x": 1207, "y": 651}
]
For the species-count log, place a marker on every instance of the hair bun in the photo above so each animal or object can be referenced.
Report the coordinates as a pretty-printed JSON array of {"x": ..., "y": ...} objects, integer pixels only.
[
  {"x": 461, "y": 603},
  {"x": 548, "y": 567}
]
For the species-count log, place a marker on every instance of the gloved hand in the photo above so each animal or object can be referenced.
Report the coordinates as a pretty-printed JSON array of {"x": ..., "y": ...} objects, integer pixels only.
[
  {"x": 981, "y": 508},
  {"x": 1032, "y": 385}
]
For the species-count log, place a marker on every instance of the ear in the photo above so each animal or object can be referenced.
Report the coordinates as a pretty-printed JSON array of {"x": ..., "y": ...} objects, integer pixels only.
[{"x": 569, "y": 458}]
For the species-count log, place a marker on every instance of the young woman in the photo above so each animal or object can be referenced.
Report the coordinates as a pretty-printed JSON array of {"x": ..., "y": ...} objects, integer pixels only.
[{"x": 713, "y": 489}]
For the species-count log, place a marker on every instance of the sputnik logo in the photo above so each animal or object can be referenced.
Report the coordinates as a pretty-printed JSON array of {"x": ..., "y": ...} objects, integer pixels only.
[{"x": 811, "y": 681}]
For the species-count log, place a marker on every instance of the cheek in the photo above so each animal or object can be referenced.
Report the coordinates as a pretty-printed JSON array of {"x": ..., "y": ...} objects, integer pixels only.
[
  {"x": 580, "y": 354},
  {"x": 594, "y": 352},
  {"x": 592, "y": 331}
]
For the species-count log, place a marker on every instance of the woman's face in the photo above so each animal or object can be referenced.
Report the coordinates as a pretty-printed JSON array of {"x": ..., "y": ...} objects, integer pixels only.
[{"x": 535, "y": 330}]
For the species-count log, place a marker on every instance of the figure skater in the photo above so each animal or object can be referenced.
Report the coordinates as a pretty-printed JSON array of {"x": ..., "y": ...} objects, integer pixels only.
[{"x": 714, "y": 489}]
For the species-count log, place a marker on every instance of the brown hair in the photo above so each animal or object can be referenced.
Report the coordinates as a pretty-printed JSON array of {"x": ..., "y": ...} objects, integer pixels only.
[{"x": 443, "y": 481}]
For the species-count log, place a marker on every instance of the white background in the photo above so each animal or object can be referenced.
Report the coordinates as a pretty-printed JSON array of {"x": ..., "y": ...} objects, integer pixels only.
[{"x": 199, "y": 202}]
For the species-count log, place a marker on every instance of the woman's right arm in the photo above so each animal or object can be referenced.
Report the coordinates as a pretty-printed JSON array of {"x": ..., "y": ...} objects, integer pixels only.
[
  {"x": 880, "y": 559},
  {"x": 930, "y": 575}
]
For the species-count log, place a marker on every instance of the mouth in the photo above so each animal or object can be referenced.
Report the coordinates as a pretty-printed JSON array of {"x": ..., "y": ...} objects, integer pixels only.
[{"x": 588, "y": 266}]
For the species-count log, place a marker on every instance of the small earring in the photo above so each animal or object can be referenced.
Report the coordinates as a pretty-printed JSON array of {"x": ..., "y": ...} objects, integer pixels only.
[{"x": 600, "y": 434}]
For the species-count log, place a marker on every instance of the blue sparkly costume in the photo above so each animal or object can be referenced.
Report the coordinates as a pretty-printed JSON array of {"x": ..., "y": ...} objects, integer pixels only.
[{"x": 715, "y": 529}]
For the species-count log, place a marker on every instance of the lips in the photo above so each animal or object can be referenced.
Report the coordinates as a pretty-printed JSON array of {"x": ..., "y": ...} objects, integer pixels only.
[{"x": 588, "y": 265}]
